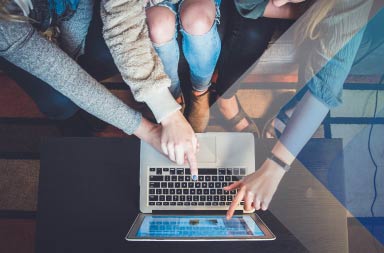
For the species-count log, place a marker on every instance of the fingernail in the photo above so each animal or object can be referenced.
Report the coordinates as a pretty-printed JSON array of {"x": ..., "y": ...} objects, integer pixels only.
[{"x": 194, "y": 177}]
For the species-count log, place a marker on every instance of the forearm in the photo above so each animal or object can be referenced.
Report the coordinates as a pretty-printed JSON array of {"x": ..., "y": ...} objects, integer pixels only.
[
  {"x": 126, "y": 34},
  {"x": 306, "y": 119},
  {"x": 46, "y": 61}
]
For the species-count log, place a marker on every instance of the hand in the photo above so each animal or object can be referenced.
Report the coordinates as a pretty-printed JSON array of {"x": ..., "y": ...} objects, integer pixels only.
[
  {"x": 179, "y": 142},
  {"x": 256, "y": 189},
  {"x": 150, "y": 133}
]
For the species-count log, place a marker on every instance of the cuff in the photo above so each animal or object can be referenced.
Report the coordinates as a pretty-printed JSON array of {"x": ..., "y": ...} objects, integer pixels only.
[{"x": 162, "y": 104}]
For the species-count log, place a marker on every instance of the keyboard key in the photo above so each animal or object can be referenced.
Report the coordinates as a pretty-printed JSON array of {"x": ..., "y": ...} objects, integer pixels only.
[
  {"x": 204, "y": 171},
  {"x": 172, "y": 171},
  {"x": 211, "y": 185},
  {"x": 177, "y": 184},
  {"x": 189, "y": 198},
  {"x": 185, "y": 191},
  {"x": 215, "y": 203},
  {"x": 204, "y": 184},
  {"x": 233, "y": 192},
  {"x": 192, "y": 191},
  {"x": 200, "y": 203},
  {"x": 165, "y": 203},
  {"x": 206, "y": 191},
  {"x": 214, "y": 178},
  {"x": 154, "y": 185},
  {"x": 219, "y": 191},
  {"x": 236, "y": 171},
  {"x": 216, "y": 198},
  {"x": 179, "y": 191},
  {"x": 151, "y": 191},
  {"x": 199, "y": 191},
  {"x": 224, "y": 184},
  {"x": 212, "y": 191},
  {"x": 229, "y": 198},
  {"x": 195, "y": 198},
  {"x": 221, "y": 203},
  {"x": 159, "y": 203},
  {"x": 172, "y": 191},
  {"x": 191, "y": 185},
  {"x": 163, "y": 185},
  {"x": 208, "y": 203},
  {"x": 197, "y": 185},
  {"x": 167, "y": 178},
  {"x": 217, "y": 185},
  {"x": 227, "y": 203},
  {"x": 203, "y": 198},
  {"x": 173, "y": 203},
  {"x": 153, "y": 198},
  {"x": 168, "y": 198},
  {"x": 229, "y": 172},
  {"x": 209, "y": 198},
  {"x": 194, "y": 204},
  {"x": 158, "y": 191},
  {"x": 207, "y": 178},
  {"x": 201, "y": 178},
  {"x": 165, "y": 169},
  {"x": 180, "y": 171},
  {"x": 221, "y": 178},
  {"x": 152, "y": 169},
  {"x": 159, "y": 171},
  {"x": 187, "y": 171},
  {"x": 179, "y": 203},
  {"x": 156, "y": 178},
  {"x": 221, "y": 171},
  {"x": 228, "y": 178},
  {"x": 242, "y": 171},
  {"x": 187, "y": 178},
  {"x": 184, "y": 185},
  {"x": 162, "y": 198},
  {"x": 180, "y": 178},
  {"x": 223, "y": 198},
  {"x": 165, "y": 191},
  {"x": 235, "y": 178},
  {"x": 187, "y": 204},
  {"x": 174, "y": 178}
]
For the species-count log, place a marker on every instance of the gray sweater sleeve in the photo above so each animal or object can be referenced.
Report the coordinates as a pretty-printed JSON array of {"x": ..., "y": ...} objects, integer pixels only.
[{"x": 24, "y": 47}]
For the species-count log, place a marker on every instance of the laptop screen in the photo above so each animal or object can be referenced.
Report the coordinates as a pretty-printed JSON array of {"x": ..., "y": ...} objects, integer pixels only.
[{"x": 198, "y": 226}]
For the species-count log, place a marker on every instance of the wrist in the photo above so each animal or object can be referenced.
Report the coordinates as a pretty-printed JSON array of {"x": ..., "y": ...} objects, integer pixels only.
[
  {"x": 172, "y": 117},
  {"x": 144, "y": 130}
]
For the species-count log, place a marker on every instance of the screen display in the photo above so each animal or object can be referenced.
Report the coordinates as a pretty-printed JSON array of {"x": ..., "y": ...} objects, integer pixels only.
[{"x": 198, "y": 226}]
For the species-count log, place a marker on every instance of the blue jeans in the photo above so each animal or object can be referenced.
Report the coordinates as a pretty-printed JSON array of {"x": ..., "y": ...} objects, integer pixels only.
[{"x": 200, "y": 51}]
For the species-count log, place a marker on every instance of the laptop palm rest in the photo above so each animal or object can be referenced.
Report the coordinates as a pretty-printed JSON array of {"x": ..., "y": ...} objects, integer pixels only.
[{"x": 207, "y": 152}]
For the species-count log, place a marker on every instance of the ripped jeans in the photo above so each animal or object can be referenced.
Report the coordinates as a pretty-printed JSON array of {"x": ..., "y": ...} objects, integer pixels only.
[{"x": 200, "y": 51}]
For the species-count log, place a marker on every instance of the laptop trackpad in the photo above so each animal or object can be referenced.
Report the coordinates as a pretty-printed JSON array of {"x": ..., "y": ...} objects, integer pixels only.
[{"x": 207, "y": 153}]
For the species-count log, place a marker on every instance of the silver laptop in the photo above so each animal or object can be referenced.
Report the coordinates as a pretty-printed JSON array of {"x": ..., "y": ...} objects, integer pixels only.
[{"x": 174, "y": 207}]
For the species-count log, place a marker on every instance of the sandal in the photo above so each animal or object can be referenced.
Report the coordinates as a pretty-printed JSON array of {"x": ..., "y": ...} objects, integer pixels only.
[
  {"x": 269, "y": 130},
  {"x": 252, "y": 127}
]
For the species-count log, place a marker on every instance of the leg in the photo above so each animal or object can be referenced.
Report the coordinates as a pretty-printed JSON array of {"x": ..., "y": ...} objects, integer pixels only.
[
  {"x": 245, "y": 42},
  {"x": 50, "y": 102},
  {"x": 161, "y": 22},
  {"x": 201, "y": 47},
  {"x": 201, "y": 42}
]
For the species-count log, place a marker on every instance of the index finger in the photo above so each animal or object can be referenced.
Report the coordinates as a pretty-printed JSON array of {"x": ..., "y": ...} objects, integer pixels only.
[
  {"x": 235, "y": 203},
  {"x": 191, "y": 156}
]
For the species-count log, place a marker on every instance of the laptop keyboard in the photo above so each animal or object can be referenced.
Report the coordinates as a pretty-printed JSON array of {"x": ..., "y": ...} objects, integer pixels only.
[{"x": 175, "y": 187}]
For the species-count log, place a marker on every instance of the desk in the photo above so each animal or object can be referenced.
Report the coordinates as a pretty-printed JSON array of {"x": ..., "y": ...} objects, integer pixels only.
[{"x": 89, "y": 197}]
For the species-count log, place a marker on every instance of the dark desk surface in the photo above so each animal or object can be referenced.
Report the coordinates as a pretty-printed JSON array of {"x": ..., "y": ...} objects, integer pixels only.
[{"x": 89, "y": 197}]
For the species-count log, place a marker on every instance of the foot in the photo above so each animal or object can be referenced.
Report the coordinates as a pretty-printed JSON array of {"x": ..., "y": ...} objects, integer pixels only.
[
  {"x": 199, "y": 110},
  {"x": 229, "y": 108},
  {"x": 277, "y": 125}
]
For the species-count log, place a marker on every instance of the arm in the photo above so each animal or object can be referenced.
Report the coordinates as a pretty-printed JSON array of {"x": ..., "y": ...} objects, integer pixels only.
[
  {"x": 126, "y": 34},
  {"x": 24, "y": 47},
  {"x": 329, "y": 68}
]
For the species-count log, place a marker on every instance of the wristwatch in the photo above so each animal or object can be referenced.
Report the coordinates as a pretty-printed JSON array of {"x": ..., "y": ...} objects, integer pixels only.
[{"x": 277, "y": 160}]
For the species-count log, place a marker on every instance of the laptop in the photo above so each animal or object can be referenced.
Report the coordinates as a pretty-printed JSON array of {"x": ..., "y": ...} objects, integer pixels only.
[{"x": 176, "y": 208}]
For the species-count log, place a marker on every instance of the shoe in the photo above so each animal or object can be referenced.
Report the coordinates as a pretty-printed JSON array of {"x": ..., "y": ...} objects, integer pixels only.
[
  {"x": 198, "y": 115},
  {"x": 251, "y": 128}
]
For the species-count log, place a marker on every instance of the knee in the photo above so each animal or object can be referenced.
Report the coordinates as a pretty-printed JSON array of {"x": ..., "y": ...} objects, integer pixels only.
[
  {"x": 57, "y": 107},
  {"x": 161, "y": 24},
  {"x": 198, "y": 16}
]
